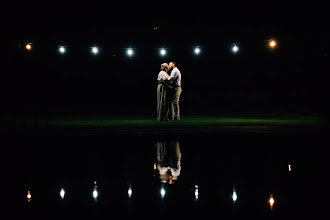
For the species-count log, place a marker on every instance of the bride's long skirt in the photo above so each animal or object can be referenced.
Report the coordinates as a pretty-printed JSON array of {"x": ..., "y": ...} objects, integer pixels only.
[{"x": 161, "y": 103}]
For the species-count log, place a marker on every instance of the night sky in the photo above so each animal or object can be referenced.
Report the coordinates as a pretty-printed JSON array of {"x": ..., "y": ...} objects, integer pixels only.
[{"x": 292, "y": 77}]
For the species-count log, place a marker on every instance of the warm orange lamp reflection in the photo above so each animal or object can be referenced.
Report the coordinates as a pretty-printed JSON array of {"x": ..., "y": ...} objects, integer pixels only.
[
  {"x": 271, "y": 202},
  {"x": 28, "y": 196}
]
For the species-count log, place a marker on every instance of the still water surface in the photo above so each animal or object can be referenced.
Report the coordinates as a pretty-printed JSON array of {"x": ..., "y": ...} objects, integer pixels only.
[{"x": 167, "y": 177}]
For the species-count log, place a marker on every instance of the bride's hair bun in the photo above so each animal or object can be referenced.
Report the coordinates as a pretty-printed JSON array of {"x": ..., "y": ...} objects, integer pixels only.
[{"x": 164, "y": 66}]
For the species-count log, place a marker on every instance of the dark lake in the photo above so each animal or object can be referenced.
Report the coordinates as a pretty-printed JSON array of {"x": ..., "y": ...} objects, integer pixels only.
[{"x": 170, "y": 177}]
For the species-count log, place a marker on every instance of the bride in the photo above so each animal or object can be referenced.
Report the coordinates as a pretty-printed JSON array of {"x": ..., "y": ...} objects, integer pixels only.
[{"x": 163, "y": 90}]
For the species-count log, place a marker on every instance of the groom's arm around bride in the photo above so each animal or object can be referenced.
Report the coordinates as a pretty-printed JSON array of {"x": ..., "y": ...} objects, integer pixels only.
[{"x": 166, "y": 83}]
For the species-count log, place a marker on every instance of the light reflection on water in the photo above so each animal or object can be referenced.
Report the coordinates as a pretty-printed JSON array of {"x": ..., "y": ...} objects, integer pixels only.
[{"x": 198, "y": 174}]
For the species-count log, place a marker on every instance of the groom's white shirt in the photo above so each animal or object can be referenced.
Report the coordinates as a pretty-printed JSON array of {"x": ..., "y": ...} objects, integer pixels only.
[{"x": 175, "y": 77}]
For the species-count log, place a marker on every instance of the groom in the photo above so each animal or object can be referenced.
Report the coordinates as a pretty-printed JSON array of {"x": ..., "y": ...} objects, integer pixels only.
[{"x": 175, "y": 80}]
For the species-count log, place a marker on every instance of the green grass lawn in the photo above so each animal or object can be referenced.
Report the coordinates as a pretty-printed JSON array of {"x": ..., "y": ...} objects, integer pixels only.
[
  {"x": 187, "y": 121},
  {"x": 265, "y": 123}
]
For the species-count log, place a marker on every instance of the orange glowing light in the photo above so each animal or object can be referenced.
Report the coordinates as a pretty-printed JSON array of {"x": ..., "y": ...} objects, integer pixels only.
[
  {"x": 271, "y": 202},
  {"x": 155, "y": 166},
  {"x": 272, "y": 43},
  {"x": 28, "y": 46}
]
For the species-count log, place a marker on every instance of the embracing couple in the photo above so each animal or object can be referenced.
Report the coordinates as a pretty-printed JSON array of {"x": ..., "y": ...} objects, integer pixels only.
[{"x": 168, "y": 92}]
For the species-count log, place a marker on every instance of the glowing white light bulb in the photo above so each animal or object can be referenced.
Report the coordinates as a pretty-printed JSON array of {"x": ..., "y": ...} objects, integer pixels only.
[
  {"x": 95, "y": 50},
  {"x": 196, "y": 194},
  {"x": 28, "y": 46},
  {"x": 235, "y": 48},
  {"x": 234, "y": 196},
  {"x": 163, "y": 52},
  {"x": 95, "y": 194},
  {"x": 162, "y": 192},
  {"x": 197, "y": 50},
  {"x": 62, "y": 49},
  {"x": 129, "y": 192},
  {"x": 62, "y": 193},
  {"x": 130, "y": 52}
]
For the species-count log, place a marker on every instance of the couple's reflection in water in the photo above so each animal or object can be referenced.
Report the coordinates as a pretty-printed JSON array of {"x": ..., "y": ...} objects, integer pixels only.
[{"x": 168, "y": 161}]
